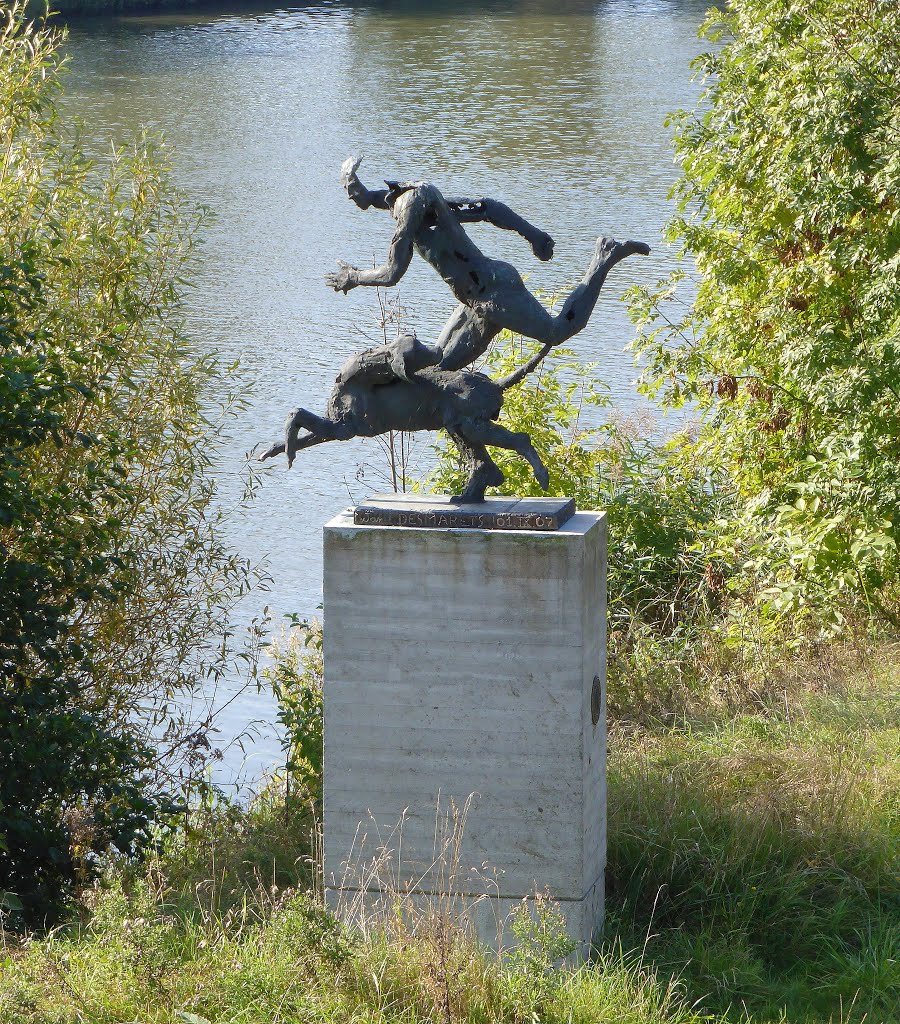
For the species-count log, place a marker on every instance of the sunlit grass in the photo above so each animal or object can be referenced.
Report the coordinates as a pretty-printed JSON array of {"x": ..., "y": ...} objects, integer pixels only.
[
  {"x": 752, "y": 876},
  {"x": 757, "y": 859}
]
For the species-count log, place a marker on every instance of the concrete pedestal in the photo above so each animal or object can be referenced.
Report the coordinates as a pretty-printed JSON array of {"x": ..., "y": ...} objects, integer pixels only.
[{"x": 465, "y": 679}]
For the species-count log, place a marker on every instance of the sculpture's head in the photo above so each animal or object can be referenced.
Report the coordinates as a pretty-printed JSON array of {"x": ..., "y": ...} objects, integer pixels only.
[{"x": 396, "y": 189}]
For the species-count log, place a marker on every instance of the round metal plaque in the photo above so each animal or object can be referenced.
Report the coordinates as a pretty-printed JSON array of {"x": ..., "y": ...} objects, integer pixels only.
[{"x": 596, "y": 700}]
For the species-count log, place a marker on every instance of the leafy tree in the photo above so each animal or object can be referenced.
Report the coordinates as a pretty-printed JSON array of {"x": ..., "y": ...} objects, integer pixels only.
[
  {"x": 57, "y": 754},
  {"x": 789, "y": 204},
  {"x": 114, "y": 583}
]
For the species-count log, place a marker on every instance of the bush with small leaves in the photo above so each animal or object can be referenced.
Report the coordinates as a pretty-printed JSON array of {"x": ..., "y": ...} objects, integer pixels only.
[
  {"x": 115, "y": 584},
  {"x": 791, "y": 347}
]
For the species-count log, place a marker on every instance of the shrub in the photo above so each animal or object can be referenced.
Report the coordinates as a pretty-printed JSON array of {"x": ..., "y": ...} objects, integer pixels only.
[
  {"x": 788, "y": 206},
  {"x": 114, "y": 583},
  {"x": 296, "y": 677}
]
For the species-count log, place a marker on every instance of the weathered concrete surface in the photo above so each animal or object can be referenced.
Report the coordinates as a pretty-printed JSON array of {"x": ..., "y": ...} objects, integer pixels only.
[{"x": 459, "y": 668}]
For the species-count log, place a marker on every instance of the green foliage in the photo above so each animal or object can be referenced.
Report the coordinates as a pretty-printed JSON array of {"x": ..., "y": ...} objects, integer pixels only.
[
  {"x": 113, "y": 579},
  {"x": 788, "y": 205},
  {"x": 541, "y": 943},
  {"x": 290, "y": 961},
  {"x": 662, "y": 505},
  {"x": 296, "y": 676},
  {"x": 667, "y": 604},
  {"x": 227, "y": 855},
  {"x": 68, "y": 779}
]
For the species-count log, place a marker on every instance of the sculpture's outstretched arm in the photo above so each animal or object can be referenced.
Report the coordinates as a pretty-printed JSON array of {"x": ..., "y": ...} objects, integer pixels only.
[
  {"x": 362, "y": 196},
  {"x": 399, "y": 257},
  {"x": 472, "y": 211}
]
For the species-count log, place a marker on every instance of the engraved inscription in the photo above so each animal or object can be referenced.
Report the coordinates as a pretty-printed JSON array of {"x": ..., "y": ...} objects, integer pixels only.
[{"x": 456, "y": 520}]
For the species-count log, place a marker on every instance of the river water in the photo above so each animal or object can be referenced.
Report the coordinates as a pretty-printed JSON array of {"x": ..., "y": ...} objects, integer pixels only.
[{"x": 555, "y": 107}]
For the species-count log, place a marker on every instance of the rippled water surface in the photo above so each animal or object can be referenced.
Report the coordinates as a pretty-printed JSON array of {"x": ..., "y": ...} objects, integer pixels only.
[{"x": 556, "y": 108}]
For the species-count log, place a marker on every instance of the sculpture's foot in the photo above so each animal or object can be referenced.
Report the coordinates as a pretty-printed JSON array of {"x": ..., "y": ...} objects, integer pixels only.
[
  {"x": 485, "y": 475},
  {"x": 319, "y": 428},
  {"x": 307, "y": 441},
  {"x": 633, "y": 248},
  {"x": 270, "y": 453},
  {"x": 608, "y": 251},
  {"x": 292, "y": 427},
  {"x": 603, "y": 248}
]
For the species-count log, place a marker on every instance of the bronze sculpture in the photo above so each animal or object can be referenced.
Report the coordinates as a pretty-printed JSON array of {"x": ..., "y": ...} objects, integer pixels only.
[{"x": 407, "y": 385}]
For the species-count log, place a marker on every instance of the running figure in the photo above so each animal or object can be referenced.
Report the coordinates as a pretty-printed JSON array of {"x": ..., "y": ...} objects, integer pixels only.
[{"x": 491, "y": 293}]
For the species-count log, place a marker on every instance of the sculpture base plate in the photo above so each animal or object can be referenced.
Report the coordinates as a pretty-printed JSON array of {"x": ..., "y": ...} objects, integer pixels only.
[{"x": 444, "y": 512}]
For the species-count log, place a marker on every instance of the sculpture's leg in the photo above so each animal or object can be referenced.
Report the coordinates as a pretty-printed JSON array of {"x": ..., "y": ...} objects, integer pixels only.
[
  {"x": 303, "y": 442},
  {"x": 397, "y": 360},
  {"x": 578, "y": 307},
  {"x": 515, "y": 308},
  {"x": 485, "y": 474},
  {"x": 483, "y": 471},
  {"x": 486, "y": 432},
  {"x": 328, "y": 430},
  {"x": 465, "y": 338},
  {"x": 407, "y": 354},
  {"x": 298, "y": 418}
]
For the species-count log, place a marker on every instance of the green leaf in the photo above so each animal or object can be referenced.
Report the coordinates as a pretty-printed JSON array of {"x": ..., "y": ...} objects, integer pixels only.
[{"x": 10, "y": 901}]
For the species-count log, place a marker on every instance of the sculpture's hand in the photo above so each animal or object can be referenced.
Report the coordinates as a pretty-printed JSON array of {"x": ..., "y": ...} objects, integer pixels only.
[
  {"x": 542, "y": 246},
  {"x": 343, "y": 279},
  {"x": 354, "y": 187},
  {"x": 349, "y": 168}
]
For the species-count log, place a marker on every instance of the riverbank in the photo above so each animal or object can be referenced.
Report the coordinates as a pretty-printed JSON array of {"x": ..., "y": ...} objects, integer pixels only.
[
  {"x": 751, "y": 877},
  {"x": 94, "y": 7}
]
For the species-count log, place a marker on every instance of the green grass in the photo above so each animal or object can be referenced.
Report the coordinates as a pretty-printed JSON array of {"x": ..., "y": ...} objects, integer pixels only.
[
  {"x": 757, "y": 859},
  {"x": 752, "y": 876}
]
